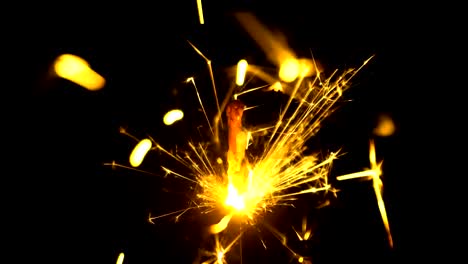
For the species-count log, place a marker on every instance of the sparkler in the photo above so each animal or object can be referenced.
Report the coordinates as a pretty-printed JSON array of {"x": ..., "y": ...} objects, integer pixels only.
[{"x": 251, "y": 185}]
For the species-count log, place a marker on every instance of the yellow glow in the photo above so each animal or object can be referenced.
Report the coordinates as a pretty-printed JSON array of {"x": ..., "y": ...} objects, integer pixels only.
[
  {"x": 234, "y": 199},
  {"x": 200, "y": 12},
  {"x": 139, "y": 152},
  {"x": 120, "y": 259},
  {"x": 374, "y": 174},
  {"x": 289, "y": 70},
  {"x": 241, "y": 71},
  {"x": 173, "y": 116},
  {"x": 217, "y": 228},
  {"x": 77, "y": 70},
  {"x": 277, "y": 87}
]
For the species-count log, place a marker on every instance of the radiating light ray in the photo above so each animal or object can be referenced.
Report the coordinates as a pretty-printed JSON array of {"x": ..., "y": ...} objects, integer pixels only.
[
  {"x": 200, "y": 12},
  {"x": 179, "y": 212},
  {"x": 374, "y": 174},
  {"x": 217, "y": 256},
  {"x": 192, "y": 80},
  {"x": 114, "y": 165},
  {"x": 210, "y": 68},
  {"x": 236, "y": 95}
]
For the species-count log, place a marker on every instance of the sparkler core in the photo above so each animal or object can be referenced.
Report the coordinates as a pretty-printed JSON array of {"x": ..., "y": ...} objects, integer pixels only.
[{"x": 254, "y": 185}]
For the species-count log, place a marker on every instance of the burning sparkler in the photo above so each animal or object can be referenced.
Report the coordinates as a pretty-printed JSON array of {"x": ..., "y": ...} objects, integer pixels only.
[{"x": 253, "y": 185}]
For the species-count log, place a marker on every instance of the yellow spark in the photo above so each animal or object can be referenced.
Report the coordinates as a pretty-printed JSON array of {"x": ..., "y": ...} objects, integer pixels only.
[
  {"x": 270, "y": 178},
  {"x": 77, "y": 70},
  {"x": 217, "y": 228},
  {"x": 120, "y": 259},
  {"x": 173, "y": 116},
  {"x": 251, "y": 185},
  {"x": 241, "y": 71},
  {"x": 374, "y": 174},
  {"x": 289, "y": 70},
  {"x": 139, "y": 152},
  {"x": 210, "y": 68},
  {"x": 200, "y": 12},
  {"x": 192, "y": 80}
]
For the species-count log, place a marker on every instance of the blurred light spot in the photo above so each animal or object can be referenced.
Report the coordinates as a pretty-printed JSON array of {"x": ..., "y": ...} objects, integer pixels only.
[
  {"x": 77, "y": 70},
  {"x": 306, "y": 67},
  {"x": 139, "y": 152},
  {"x": 241, "y": 71},
  {"x": 173, "y": 116},
  {"x": 120, "y": 259},
  {"x": 385, "y": 126},
  {"x": 219, "y": 160},
  {"x": 277, "y": 87},
  {"x": 289, "y": 70}
]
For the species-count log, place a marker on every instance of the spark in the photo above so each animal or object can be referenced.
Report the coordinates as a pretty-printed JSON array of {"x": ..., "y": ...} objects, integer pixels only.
[
  {"x": 241, "y": 71},
  {"x": 374, "y": 174},
  {"x": 139, "y": 152},
  {"x": 254, "y": 184},
  {"x": 250, "y": 188},
  {"x": 200, "y": 12},
  {"x": 120, "y": 258},
  {"x": 192, "y": 80},
  {"x": 173, "y": 116},
  {"x": 77, "y": 70}
]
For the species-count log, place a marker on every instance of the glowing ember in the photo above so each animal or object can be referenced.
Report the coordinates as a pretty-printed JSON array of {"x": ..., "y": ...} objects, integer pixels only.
[
  {"x": 139, "y": 152},
  {"x": 77, "y": 70}
]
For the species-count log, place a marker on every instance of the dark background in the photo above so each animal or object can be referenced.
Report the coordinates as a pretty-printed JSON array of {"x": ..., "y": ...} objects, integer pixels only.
[{"x": 69, "y": 207}]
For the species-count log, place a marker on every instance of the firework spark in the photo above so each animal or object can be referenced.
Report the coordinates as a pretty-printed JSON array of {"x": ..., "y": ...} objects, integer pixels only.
[{"x": 253, "y": 185}]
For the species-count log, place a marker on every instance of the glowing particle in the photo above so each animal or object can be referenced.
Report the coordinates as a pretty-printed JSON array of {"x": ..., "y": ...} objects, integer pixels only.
[
  {"x": 277, "y": 87},
  {"x": 173, "y": 116},
  {"x": 241, "y": 71},
  {"x": 289, "y": 70},
  {"x": 120, "y": 259},
  {"x": 139, "y": 152},
  {"x": 200, "y": 12},
  {"x": 77, "y": 70},
  {"x": 385, "y": 126}
]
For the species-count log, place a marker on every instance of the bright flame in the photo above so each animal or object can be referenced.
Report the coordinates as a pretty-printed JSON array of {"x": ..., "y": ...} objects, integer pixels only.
[
  {"x": 173, "y": 116},
  {"x": 77, "y": 70},
  {"x": 139, "y": 152}
]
